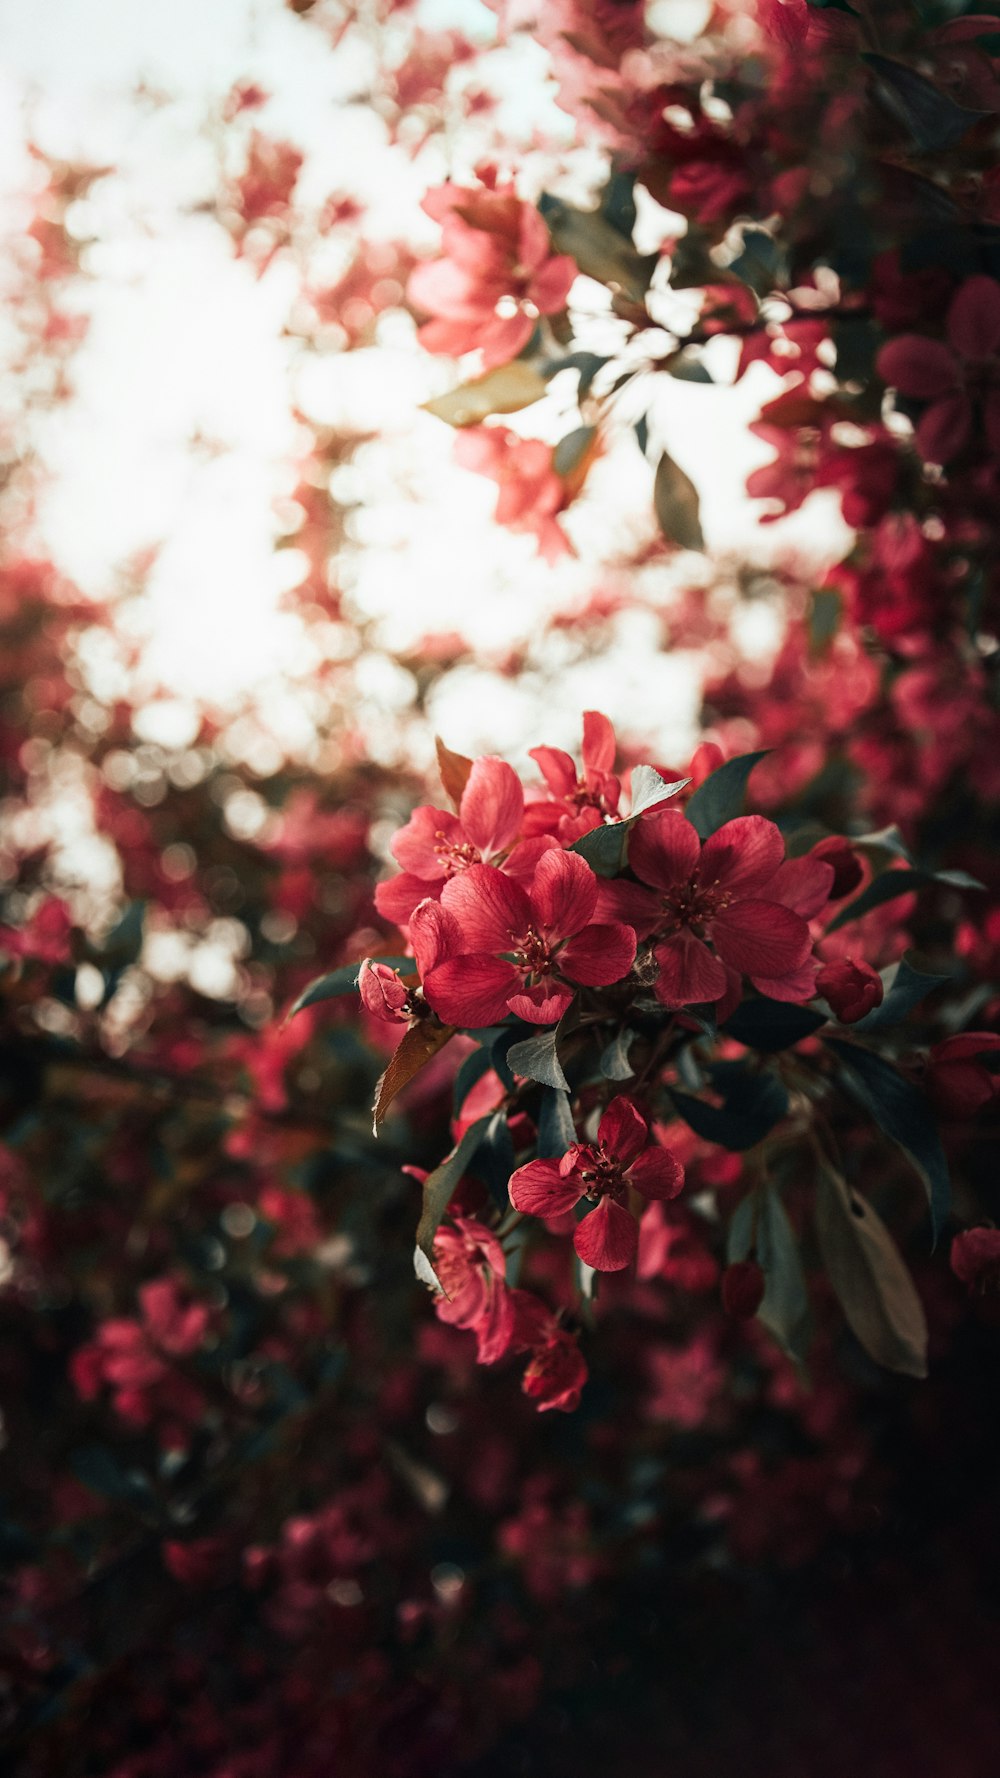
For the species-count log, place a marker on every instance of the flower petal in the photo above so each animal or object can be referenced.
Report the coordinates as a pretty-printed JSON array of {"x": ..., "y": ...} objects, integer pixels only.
[
  {"x": 630, "y": 904},
  {"x": 539, "y": 1189},
  {"x": 974, "y": 318},
  {"x": 543, "y": 1004},
  {"x": 598, "y": 956},
  {"x": 761, "y": 938},
  {"x": 689, "y": 974},
  {"x": 797, "y": 986},
  {"x": 563, "y": 894},
  {"x": 434, "y": 934},
  {"x": 556, "y": 767},
  {"x": 492, "y": 806},
  {"x": 608, "y": 1238},
  {"x": 943, "y": 431},
  {"x": 802, "y": 884},
  {"x": 491, "y": 909},
  {"x": 918, "y": 367},
  {"x": 414, "y": 847},
  {"x": 397, "y": 897},
  {"x": 657, "y": 1174},
  {"x": 622, "y": 1131},
  {"x": 471, "y": 990},
  {"x": 664, "y": 849},
  {"x": 599, "y": 744},
  {"x": 742, "y": 854}
]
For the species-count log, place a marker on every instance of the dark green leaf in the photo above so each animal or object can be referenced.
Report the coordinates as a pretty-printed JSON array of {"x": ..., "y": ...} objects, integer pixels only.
[
  {"x": 99, "y": 1469},
  {"x": 571, "y": 450},
  {"x": 601, "y": 251},
  {"x": 556, "y": 1130},
  {"x": 677, "y": 506},
  {"x": 124, "y": 942},
  {"x": 761, "y": 1227},
  {"x": 603, "y": 848},
  {"x": 477, "y": 1063},
  {"x": 905, "y": 987},
  {"x": 934, "y": 121},
  {"x": 342, "y": 981},
  {"x": 536, "y": 1059},
  {"x": 872, "y": 1283},
  {"x": 722, "y": 796},
  {"x": 902, "y": 1113},
  {"x": 893, "y": 883},
  {"x": 614, "y": 1063},
  {"x": 494, "y": 1159},
  {"x": 771, "y": 1025},
  {"x": 688, "y": 367},
  {"x": 753, "y": 1104},
  {"x": 438, "y": 1190},
  {"x": 759, "y": 261}
]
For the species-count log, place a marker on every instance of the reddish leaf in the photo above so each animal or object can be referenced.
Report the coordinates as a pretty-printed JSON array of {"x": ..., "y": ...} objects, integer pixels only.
[
  {"x": 454, "y": 769},
  {"x": 419, "y": 1044}
]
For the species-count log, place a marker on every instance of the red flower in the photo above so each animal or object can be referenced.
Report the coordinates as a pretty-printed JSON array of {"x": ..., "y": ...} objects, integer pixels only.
[
  {"x": 975, "y": 1258},
  {"x": 470, "y": 1263},
  {"x": 787, "y": 20},
  {"x": 556, "y": 1373},
  {"x": 953, "y": 377},
  {"x": 514, "y": 951},
  {"x": 382, "y": 992},
  {"x": 607, "y": 1239},
  {"x": 435, "y": 845},
  {"x": 737, "y": 893},
  {"x": 843, "y": 861},
  {"x": 743, "y": 1287},
  {"x": 577, "y": 801},
  {"x": 958, "y": 1082},
  {"x": 850, "y": 987},
  {"x": 531, "y": 492},
  {"x": 497, "y": 274}
]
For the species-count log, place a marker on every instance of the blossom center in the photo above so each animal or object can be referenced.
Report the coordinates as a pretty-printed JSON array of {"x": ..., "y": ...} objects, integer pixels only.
[
  {"x": 599, "y": 1174},
  {"x": 454, "y": 855},
  {"x": 532, "y": 953},
  {"x": 693, "y": 905}
]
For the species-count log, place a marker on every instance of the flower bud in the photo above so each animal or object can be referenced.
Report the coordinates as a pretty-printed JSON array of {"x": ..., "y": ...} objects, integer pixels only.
[
  {"x": 743, "y": 1287},
  {"x": 850, "y": 987},
  {"x": 382, "y": 992},
  {"x": 975, "y": 1258},
  {"x": 847, "y": 869}
]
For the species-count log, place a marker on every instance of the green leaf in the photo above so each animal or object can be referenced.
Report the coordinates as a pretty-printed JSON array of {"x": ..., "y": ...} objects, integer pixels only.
[
  {"x": 721, "y": 797},
  {"x": 905, "y": 987},
  {"x": 772, "y": 1025},
  {"x": 614, "y": 1063},
  {"x": 494, "y": 1159},
  {"x": 536, "y": 1059},
  {"x": 677, "y": 505},
  {"x": 438, "y": 1190},
  {"x": 502, "y": 391},
  {"x": 753, "y": 1104},
  {"x": 342, "y": 981},
  {"x": 477, "y": 1063},
  {"x": 903, "y": 1114},
  {"x": 556, "y": 1129},
  {"x": 872, "y": 1283},
  {"x": 893, "y": 883},
  {"x": 760, "y": 1226},
  {"x": 601, "y": 251},
  {"x": 571, "y": 450},
  {"x": 603, "y": 848},
  {"x": 100, "y": 1470},
  {"x": 934, "y": 121}
]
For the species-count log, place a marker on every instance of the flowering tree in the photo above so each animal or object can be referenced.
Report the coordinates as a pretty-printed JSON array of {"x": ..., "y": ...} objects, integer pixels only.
[{"x": 681, "y": 1067}]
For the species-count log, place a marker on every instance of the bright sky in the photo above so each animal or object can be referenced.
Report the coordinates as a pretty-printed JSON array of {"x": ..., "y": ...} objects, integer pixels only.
[{"x": 186, "y": 348}]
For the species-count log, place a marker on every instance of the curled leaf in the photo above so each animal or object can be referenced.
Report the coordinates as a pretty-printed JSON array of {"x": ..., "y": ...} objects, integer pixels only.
[{"x": 872, "y": 1283}]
